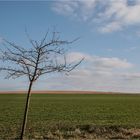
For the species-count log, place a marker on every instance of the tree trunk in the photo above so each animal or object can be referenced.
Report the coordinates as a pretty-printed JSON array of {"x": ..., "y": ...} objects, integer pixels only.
[{"x": 26, "y": 111}]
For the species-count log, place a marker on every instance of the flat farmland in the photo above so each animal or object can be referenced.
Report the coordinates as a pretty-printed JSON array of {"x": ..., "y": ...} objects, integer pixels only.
[{"x": 71, "y": 116}]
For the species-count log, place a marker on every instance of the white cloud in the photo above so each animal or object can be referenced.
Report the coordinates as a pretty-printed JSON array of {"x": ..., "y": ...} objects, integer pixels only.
[
  {"x": 110, "y": 27},
  {"x": 112, "y": 15},
  {"x": 74, "y": 56},
  {"x": 82, "y": 9},
  {"x": 120, "y": 14},
  {"x": 68, "y": 7},
  {"x": 91, "y": 79},
  {"x": 131, "y": 76},
  {"x": 100, "y": 62},
  {"x": 100, "y": 73}
]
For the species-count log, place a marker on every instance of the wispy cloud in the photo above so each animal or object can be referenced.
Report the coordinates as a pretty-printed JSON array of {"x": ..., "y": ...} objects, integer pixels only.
[
  {"x": 96, "y": 73},
  {"x": 100, "y": 62},
  {"x": 81, "y": 10},
  {"x": 111, "y": 15}
]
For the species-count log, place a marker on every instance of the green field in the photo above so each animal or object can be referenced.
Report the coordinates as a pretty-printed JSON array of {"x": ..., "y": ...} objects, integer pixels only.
[{"x": 67, "y": 112}]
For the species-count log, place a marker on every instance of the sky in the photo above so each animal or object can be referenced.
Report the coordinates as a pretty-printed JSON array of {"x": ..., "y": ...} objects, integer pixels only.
[{"x": 109, "y": 32}]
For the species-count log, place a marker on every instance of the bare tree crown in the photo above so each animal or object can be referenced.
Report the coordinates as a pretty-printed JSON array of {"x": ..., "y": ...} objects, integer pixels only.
[{"x": 41, "y": 58}]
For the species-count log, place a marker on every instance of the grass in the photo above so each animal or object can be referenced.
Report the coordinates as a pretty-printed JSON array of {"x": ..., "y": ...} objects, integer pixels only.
[{"x": 67, "y": 112}]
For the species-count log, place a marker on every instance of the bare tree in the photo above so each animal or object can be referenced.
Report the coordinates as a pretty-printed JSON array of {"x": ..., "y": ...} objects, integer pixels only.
[{"x": 43, "y": 57}]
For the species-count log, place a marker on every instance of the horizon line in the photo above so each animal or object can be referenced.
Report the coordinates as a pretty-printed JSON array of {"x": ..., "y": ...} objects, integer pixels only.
[{"x": 64, "y": 92}]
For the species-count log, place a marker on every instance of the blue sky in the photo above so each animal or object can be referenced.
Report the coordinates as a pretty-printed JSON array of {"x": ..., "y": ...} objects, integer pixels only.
[{"x": 109, "y": 34}]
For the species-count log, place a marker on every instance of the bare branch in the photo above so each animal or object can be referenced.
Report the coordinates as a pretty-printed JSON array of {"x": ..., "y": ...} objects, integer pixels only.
[
  {"x": 44, "y": 39},
  {"x": 18, "y": 48},
  {"x": 38, "y": 60}
]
